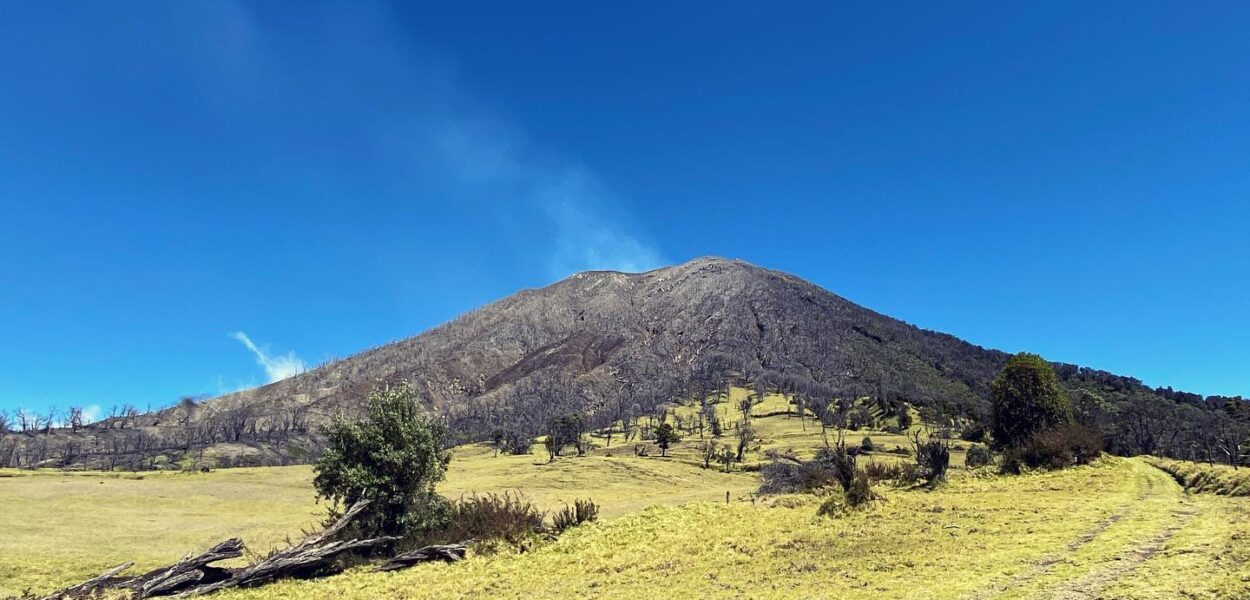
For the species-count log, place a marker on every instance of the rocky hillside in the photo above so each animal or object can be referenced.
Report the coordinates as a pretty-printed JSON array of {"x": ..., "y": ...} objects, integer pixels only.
[
  {"x": 656, "y": 330},
  {"x": 607, "y": 345}
]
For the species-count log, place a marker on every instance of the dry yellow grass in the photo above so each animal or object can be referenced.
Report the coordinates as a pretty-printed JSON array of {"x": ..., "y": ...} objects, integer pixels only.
[
  {"x": 59, "y": 528},
  {"x": 1086, "y": 532},
  {"x": 1118, "y": 529},
  {"x": 56, "y": 528}
]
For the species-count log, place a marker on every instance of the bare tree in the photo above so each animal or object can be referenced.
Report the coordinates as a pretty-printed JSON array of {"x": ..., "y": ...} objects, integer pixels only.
[
  {"x": 708, "y": 451},
  {"x": 745, "y": 435},
  {"x": 128, "y": 415},
  {"x": 73, "y": 418},
  {"x": 49, "y": 420},
  {"x": 26, "y": 420},
  {"x": 1231, "y": 440}
]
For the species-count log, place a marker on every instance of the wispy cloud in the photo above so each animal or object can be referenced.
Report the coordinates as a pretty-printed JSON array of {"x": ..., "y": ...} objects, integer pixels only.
[
  {"x": 429, "y": 123},
  {"x": 590, "y": 225},
  {"x": 277, "y": 367},
  {"x": 585, "y": 237}
]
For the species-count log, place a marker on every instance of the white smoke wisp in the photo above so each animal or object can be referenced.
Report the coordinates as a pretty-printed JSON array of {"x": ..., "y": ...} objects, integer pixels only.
[
  {"x": 92, "y": 413},
  {"x": 277, "y": 367},
  {"x": 589, "y": 224}
]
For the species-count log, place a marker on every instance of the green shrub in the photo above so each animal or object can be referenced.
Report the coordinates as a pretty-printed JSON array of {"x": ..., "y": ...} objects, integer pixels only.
[
  {"x": 977, "y": 456},
  {"x": 857, "y": 495},
  {"x": 1057, "y": 448},
  {"x": 1026, "y": 398},
  {"x": 393, "y": 457},
  {"x": 879, "y": 471},
  {"x": 665, "y": 436},
  {"x": 974, "y": 432}
]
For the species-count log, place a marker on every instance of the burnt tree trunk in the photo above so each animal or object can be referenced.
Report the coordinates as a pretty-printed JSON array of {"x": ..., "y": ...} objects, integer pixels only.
[{"x": 194, "y": 575}]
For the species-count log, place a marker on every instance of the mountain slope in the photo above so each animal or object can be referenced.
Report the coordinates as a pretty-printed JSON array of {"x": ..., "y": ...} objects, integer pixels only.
[
  {"x": 595, "y": 329},
  {"x": 613, "y": 346}
]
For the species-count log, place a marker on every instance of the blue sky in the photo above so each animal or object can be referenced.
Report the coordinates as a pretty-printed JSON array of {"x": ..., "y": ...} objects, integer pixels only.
[{"x": 201, "y": 196}]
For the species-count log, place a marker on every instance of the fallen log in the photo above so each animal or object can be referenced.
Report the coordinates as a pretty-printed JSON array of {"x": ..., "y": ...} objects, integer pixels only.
[
  {"x": 446, "y": 553},
  {"x": 190, "y": 570},
  {"x": 309, "y": 557},
  {"x": 90, "y": 586},
  {"x": 194, "y": 575}
]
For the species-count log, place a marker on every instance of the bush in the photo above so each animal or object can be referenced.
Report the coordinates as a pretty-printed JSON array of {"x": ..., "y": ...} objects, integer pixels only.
[
  {"x": 974, "y": 432},
  {"x": 787, "y": 474},
  {"x": 1058, "y": 448},
  {"x": 665, "y": 436},
  {"x": 508, "y": 517},
  {"x": 582, "y": 511},
  {"x": 878, "y": 471},
  {"x": 978, "y": 456},
  {"x": 860, "y": 492},
  {"x": 857, "y": 495},
  {"x": 1026, "y": 398},
  {"x": 393, "y": 456},
  {"x": 866, "y": 445},
  {"x": 933, "y": 457},
  {"x": 839, "y": 463}
]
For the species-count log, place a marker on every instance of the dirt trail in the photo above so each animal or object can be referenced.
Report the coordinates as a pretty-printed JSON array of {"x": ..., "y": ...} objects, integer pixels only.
[{"x": 1154, "y": 488}]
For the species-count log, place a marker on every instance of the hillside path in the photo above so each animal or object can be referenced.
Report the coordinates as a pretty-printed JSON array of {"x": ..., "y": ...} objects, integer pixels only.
[{"x": 1109, "y": 550}]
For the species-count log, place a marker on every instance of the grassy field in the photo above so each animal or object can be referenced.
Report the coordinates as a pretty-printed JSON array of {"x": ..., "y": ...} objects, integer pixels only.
[
  {"x": 1119, "y": 529},
  {"x": 58, "y": 528}
]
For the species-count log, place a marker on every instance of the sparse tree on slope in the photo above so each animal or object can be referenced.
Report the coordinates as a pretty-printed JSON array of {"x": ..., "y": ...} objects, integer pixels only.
[
  {"x": 665, "y": 436},
  {"x": 1026, "y": 398}
]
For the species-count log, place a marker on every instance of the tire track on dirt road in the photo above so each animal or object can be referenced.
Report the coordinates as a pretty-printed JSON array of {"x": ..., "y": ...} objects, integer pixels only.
[{"x": 1154, "y": 488}]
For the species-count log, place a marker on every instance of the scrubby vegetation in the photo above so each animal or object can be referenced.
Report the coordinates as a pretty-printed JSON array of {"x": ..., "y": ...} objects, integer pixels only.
[
  {"x": 507, "y": 517},
  {"x": 581, "y": 511},
  {"x": 1065, "y": 446},
  {"x": 1105, "y": 521},
  {"x": 933, "y": 458},
  {"x": 978, "y": 456},
  {"x": 1033, "y": 422}
]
